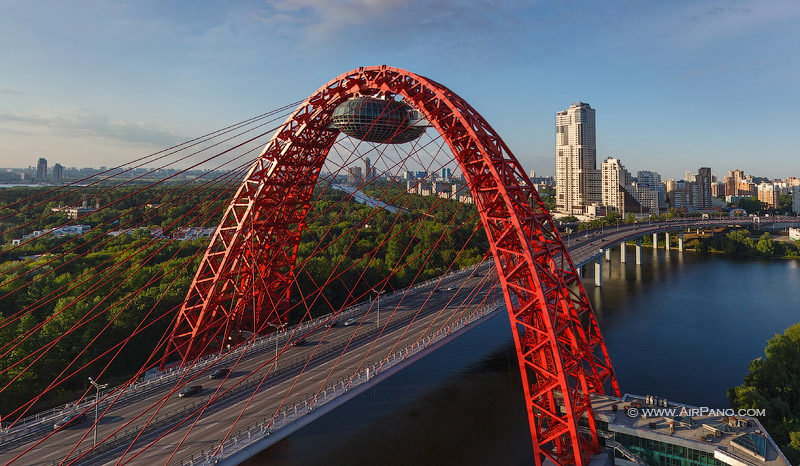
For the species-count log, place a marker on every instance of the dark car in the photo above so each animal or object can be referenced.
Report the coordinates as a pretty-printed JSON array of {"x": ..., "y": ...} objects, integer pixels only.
[
  {"x": 332, "y": 324},
  {"x": 71, "y": 420},
  {"x": 219, "y": 373},
  {"x": 189, "y": 391},
  {"x": 300, "y": 342}
]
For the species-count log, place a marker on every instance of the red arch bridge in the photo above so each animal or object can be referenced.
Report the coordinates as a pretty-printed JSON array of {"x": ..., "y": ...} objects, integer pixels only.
[{"x": 287, "y": 280}]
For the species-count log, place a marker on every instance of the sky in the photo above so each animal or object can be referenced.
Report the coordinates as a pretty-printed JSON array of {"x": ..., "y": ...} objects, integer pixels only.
[{"x": 676, "y": 85}]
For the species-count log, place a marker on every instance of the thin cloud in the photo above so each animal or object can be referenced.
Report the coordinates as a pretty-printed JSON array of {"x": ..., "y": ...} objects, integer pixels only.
[
  {"x": 9, "y": 91},
  {"x": 77, "y": 121},
  {"x": 446, "y": 29},
  {"x": 700, "y": 22}
]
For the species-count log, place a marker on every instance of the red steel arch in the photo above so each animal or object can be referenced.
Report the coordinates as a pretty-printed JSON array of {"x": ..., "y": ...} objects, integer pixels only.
[{"x": 243, "y": 282}]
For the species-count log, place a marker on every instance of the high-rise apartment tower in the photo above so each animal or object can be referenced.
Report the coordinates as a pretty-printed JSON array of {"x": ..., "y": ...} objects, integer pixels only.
[
  {"x": 41, "y": 169},
  {"x": 578, "y": 182}
]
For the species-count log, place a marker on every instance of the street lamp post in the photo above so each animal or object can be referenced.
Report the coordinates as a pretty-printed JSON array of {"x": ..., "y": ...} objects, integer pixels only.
[
  {"x": 277, "y": 328},
  {"x": 98, "y": 387},
  {"x": 378, "y": 294}
]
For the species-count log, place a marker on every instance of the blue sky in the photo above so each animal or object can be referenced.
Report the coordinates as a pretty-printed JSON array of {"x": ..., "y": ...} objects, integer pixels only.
[{"x": 676, "y": 85}]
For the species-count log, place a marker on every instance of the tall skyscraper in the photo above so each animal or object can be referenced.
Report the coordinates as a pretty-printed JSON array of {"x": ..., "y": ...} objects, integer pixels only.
[
  {"x": 41, "y": 169},
  {"x": 58, "y": 173},
  {"x": 796, "y": 199},
  {"x": 703, "y": 180},
  {"x": 578, "y": 182},
  {"x": 367, "y": 169}
]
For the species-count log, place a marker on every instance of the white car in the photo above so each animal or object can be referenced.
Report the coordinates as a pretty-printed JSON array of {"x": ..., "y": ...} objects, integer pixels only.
[{"x": 349, "y": 322}]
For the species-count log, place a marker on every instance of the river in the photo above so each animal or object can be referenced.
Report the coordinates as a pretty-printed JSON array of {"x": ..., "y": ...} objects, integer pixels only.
[{"x": 682, "y": 326}]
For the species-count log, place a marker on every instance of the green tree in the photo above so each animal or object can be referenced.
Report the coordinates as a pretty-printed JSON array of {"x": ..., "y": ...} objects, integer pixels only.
[
  {"x": 765, "y": 245},
  {"x": 773, "y": 384},
  {"x": 751, "y": 205}
]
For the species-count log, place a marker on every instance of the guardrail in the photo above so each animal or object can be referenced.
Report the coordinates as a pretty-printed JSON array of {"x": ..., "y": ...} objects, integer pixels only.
[
  {"x": 232, "y": 396},
  {"x": 265, "y": 426},
  {"x": 42, "y": 421}
]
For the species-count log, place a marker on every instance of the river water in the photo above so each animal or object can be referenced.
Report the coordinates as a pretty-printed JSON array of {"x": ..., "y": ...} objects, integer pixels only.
[{"x": 682, "y": 326}]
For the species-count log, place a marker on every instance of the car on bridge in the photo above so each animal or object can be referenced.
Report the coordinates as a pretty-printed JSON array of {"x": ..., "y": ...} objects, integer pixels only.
[
  {"x": 71, "y": 420},
  {"x": 219, "y": 373},
  {"x": 349, "y": 322},
  {"x": 189, "y": 391}
]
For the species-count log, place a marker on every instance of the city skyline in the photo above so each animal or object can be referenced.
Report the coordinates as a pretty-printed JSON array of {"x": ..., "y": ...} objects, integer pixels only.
[{"x": 674, "y": 85}]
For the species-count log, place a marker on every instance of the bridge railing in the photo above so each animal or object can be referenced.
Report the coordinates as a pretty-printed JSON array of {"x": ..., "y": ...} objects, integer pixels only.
[
  {"x": 265, "y": 426},
  {"x": 123, "y": 395}
]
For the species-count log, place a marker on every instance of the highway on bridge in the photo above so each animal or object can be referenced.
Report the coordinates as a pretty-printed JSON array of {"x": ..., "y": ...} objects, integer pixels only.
[
  {"x": 333, "y": 354},
  {"x": 455, "y": 295}
]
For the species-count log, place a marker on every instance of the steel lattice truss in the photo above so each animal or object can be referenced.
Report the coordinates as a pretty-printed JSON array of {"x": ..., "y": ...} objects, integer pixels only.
[{"x": 243, "y": 283}]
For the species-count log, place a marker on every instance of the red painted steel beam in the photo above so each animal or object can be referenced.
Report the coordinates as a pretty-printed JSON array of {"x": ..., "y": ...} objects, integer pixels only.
[{"x": 243, "y": 283}]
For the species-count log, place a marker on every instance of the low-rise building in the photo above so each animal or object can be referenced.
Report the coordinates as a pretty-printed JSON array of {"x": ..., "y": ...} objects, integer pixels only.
[
  {"x": 653, "y": 431},
  {"x": 60, "y": 232}
]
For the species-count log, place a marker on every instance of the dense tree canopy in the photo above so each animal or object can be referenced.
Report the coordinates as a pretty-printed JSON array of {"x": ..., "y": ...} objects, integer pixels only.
[
  {"x": 741, "y": 243},
  {"x": 106, "y": 288},
  {"x": 773, "y": 384}
]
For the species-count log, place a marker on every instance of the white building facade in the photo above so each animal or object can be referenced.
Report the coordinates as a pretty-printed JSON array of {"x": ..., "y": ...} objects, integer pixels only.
[{"x": 578, "y": 182}]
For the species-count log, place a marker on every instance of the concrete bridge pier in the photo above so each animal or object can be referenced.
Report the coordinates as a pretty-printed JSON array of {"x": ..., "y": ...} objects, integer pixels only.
[
  {"x": 580, "y": 272},
  {"x": 680, "y": 241},
  {"x": 655, "y": 241},
  {"x": 608, "y": 255},
  {"x": 598, "y": 272},
  {"x": 639, "y": 250},
  {"x": 667, "y": 235},
  {"x": 622, "y": 252}
]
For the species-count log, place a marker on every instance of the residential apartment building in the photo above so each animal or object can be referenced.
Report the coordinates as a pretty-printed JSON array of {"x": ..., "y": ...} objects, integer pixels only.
[
  {"x": 578, "y": 182},
  {"x": 796, "y": 199},
  {"x": 652, "y": 181},
  {"x": 769, "y": 194}
]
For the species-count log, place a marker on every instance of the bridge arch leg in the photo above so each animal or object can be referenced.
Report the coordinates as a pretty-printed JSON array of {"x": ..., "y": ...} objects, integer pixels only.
[{"x": 244, "y": 282}]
